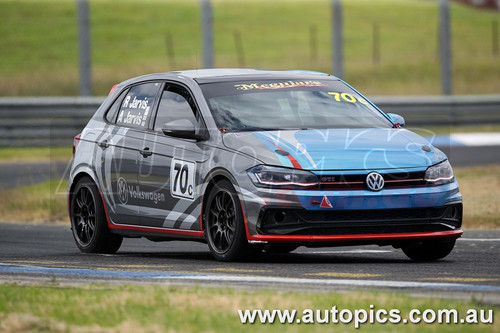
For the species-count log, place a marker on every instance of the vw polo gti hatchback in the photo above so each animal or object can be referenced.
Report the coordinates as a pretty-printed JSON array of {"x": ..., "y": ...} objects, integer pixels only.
[{"x": 252, "y": 160}]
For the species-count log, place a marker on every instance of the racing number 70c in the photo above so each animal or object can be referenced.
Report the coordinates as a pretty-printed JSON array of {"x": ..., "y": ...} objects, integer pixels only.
[
  {"x": 182, "y": 172},
  {"x": 181, "y": 177}
]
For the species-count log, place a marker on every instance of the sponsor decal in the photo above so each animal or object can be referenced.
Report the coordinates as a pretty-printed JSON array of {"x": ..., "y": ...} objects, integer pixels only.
[
  {"x": 125, "y": 191},
  {"x": 122, "y": 190},
  {"x": 278, "y": 85},
  {"x": 136, "y": 193},
  {"x": 325, "y": 203},
  {"x": 346, "y": 97},
  {"x": 182, "y": 179}
]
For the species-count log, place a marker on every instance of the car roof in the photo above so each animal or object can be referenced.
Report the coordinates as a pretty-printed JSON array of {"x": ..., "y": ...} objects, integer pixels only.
[{"x": 232, "y": 74}]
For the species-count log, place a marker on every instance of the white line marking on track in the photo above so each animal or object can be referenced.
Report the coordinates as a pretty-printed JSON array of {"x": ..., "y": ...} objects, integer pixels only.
[
  {"x": 479, "y": 239},
  {"x": 335, "y": 282},
  {"x": 268, "y": 280},
  {"x": 477, "y": 139}
]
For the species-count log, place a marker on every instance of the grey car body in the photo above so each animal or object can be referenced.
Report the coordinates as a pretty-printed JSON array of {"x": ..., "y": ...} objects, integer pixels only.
[{"x": 152, "y": 170}]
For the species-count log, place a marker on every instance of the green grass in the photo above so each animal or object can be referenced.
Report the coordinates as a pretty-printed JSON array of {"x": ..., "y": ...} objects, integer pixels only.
[
  {"x": 46, "y": 202},
  {"x": 447, "y": 130},
  {"x": 40, "y": 56},
  {"x": 40, "y": 203},
  {"x": 34, "y": 154},
  {"x": 481, "y": 198},
  {"x": 133, "y": 308}
]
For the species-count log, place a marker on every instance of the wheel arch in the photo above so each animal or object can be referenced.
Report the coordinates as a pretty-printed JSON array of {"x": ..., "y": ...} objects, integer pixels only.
[
  {"x": 210, "y": 180},
  {"x": 77, "y": 178},
  {"x": 74, "y": 180}
]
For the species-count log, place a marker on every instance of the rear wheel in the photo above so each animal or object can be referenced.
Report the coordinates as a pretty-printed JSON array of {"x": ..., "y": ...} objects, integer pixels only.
[
  {"x": 429, "y": 249},
  {"x": 224, "y": 225},
  {"x": 88, "y": 220}
]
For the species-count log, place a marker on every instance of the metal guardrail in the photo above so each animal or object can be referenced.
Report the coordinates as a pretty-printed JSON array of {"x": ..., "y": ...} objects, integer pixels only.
[
  {"x": 443, "y": 110},
  {"x": 54, "y": 121},
  {"x": 44, "y": 121}
]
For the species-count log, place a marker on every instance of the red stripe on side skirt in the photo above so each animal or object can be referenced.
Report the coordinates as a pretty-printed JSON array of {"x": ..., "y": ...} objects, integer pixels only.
[{"x": 149, "y": 229}]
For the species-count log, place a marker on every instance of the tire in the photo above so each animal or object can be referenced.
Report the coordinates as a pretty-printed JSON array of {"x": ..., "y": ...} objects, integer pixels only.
[
  {"x": 429, "y": 250},
  {"x": 88, "y": 220},
  {"x": 280, "y": 248},
  {"x": 224, "y": 225}
]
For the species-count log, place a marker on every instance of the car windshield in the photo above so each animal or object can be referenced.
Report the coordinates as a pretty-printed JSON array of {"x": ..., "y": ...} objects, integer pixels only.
[{"x": 289, "y": 104}]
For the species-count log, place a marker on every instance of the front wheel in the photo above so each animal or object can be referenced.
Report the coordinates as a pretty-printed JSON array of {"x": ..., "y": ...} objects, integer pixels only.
[
  {"x": 88, "y": 220},
  {"x": 224, "y": 225},
  {"x": 429, "y": 249}
]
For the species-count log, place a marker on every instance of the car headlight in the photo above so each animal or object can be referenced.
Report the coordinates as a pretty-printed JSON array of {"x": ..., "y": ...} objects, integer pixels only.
[
  {"x": 268, "y": 176},
  {"x": 438, "y": 174}
]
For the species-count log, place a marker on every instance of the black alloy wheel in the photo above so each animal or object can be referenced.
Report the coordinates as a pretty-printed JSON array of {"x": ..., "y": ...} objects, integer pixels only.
[
  {"x": 84, "y": 216},
  {"x": 88, "y": 220},
  {"x": 224, "y": 225}
]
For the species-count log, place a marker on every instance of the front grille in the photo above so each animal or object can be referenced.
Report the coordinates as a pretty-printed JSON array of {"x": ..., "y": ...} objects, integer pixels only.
[
  {"x": 368, "y": 215},
  {"x": 357, "y": 182},
  {"x": 373, "y": 221}
]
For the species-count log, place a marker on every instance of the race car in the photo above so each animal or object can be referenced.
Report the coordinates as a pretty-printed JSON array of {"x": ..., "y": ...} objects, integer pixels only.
[{"x": 251, "y": 160}]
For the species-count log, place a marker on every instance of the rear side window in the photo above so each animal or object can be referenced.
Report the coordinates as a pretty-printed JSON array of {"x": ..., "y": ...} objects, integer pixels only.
[
  {"x": 113, "y": 110},
  {"x": 136, "y": 106}
]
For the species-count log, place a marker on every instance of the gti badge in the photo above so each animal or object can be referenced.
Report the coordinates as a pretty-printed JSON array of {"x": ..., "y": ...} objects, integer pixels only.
[
  {"x": 375, "y": 181},
  {"x": 122, "y": 190}
]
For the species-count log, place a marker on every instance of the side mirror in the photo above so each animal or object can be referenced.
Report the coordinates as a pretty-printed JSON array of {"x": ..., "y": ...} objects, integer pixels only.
[
  {"x": 397, "y": 119},
  {"x": 181, "y": 128}
]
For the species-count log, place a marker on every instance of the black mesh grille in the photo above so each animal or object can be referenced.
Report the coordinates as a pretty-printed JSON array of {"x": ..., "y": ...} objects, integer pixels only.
[{"x": 369, "y": 215}]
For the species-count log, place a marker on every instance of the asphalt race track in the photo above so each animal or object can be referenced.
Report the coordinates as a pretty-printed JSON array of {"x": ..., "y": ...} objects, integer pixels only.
[
  {"x": 46, "y": 253},
  {"x": 21, "y": 174}
]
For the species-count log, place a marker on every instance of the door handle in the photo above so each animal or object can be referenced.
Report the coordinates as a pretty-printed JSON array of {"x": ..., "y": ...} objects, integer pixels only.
[
  {"x": 103, "y": 144},
  {"x": 146, "y": 152}
]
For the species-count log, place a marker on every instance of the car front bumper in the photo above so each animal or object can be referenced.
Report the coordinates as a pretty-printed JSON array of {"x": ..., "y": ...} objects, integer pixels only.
[{"x": 359, "y": 216}]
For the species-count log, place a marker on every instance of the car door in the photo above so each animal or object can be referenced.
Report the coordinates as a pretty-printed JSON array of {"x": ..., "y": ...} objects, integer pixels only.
[
  {"x": 170, "y": 174},
  {"x": 121, "y": 147}
]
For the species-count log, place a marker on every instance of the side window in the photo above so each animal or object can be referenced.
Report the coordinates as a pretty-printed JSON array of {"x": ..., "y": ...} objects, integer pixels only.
[
  {"x": 175, "y": 103},
  {"x": 136, "y": 106},
  {"x": 113, "y": 110}
]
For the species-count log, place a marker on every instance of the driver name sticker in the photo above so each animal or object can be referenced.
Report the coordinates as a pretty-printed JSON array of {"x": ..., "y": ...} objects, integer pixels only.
[{"x": 182, "y": 179}]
